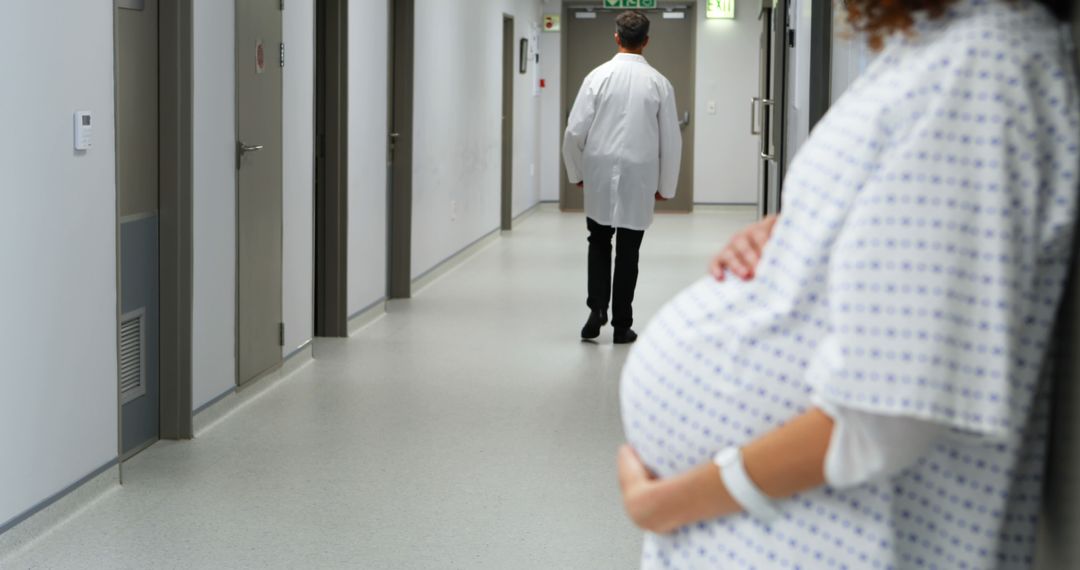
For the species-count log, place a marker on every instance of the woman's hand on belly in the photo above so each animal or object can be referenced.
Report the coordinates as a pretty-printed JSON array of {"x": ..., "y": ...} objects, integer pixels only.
[
  {"x": 637, "y": 487},
  {"x": 742, "y": 253},
  {"x": 663, "y": 505},
  {"x": 785, "y": 461}
]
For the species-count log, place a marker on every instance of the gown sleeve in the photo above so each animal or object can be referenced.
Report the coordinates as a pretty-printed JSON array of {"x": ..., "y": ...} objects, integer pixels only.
[
  {"x": 866, "y": 447},
  {"x": 938, "y": 304}
]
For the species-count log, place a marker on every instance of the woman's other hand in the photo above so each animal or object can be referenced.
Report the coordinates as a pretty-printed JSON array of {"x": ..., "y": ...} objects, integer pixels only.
[
  {"x": 637, "y": 482},
  {"x": 743, "y": 251}
]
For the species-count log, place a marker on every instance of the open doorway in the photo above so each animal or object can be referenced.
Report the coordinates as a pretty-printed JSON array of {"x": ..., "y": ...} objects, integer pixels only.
[
  {"x": 137, "y": 198},
  {"x": 153, "y": 61}
]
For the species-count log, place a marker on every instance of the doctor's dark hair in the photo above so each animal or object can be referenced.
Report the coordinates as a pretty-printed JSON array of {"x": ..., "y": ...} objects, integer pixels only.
[
  {"x": 633, "y": 29},
  {"x": 881, "y": 18}
]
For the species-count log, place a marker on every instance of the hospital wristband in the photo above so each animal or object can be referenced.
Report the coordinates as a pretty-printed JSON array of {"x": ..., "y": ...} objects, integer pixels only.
[{"x": 742, "y": 488}]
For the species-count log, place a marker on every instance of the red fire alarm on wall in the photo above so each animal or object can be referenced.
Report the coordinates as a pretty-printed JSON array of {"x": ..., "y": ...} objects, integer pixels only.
[{"x": 543, "y": 83}]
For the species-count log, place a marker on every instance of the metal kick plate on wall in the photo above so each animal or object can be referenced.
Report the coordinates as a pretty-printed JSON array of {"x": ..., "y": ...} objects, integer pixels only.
[{"x": 131, "y": 4}]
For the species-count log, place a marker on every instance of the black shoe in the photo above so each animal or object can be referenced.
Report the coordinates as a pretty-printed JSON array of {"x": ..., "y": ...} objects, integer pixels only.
[
  {"x": 592, "y": 326},
  {"x": 625, "y": 336}
]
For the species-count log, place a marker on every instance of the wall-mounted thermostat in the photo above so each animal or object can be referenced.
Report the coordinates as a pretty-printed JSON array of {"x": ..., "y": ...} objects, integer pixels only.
[{"x": 84, "y": 131}]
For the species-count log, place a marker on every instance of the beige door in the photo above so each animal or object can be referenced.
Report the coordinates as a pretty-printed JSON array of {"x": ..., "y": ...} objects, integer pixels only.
[
  {"x": 590, "y": 42},
  {"x": 258, "y": 96}
]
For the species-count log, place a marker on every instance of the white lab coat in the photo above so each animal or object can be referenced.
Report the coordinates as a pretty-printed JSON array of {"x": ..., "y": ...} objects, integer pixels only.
[{"x": 623, "y": 140}]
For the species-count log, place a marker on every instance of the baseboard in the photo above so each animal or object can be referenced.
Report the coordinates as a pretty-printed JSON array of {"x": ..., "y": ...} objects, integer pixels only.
[
  {"x": 530, "y": 211},
  {"x": 24, "y": 530},
  {"x": 454, "y": 261},
  {"x": 366, "y": 316},
  {"x": 223, "y": 407}
]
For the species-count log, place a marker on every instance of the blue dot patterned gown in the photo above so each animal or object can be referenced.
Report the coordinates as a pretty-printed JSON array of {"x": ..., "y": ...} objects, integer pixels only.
[{"x": 915, "y": 273}]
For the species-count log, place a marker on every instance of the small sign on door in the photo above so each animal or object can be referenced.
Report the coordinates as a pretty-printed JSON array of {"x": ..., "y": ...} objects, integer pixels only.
[{"x": 260, "y": 57}]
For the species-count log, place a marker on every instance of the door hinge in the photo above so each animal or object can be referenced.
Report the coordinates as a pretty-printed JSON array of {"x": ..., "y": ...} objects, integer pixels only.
[
  {"x": 281, "y": 5},
  {"x": 281, "y": 334},
  {"x": 282, "y": 54}
]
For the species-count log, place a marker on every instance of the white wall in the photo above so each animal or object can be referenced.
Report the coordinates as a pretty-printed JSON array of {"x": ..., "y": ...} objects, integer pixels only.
[
  {"x": 726, "y": 159},
  {"x": 527, "y": 104},
  {"x": 298, "y": 176},
  {"x": 214, "y": 302},
  {"x": 57, "y": 250},
  {"x": 368, "y": 37},
  {"x": 551, "y": 176},
  {"x": 457, "y": 125}
]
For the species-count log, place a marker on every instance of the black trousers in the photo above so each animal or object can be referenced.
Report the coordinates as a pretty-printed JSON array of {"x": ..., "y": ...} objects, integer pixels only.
[{"x": 627, "y": 247}]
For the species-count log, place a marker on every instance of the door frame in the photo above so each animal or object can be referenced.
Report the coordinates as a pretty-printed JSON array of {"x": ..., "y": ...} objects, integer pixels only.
[
  {"x": 331, "y": 167},
  {"x": 400, "y": 149},
  {"x": 568, "y": 92},
  {"x": 820, "y": 59},
  {"x": 506, "y": 221},
  {"x": 176, "y": 215}
]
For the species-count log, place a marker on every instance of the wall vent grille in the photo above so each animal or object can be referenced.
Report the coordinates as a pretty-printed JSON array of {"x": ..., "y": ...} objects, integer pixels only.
[{"x": 132, "y": 356}]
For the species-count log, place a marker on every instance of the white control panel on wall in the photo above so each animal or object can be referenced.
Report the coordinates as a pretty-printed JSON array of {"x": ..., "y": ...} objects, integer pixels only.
[{"x": 84, "y": 130}]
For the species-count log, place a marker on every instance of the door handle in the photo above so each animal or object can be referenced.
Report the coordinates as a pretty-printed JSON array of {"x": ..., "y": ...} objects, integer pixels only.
[
  {"x": 685, "y": 121},
  {"x": 754, "y": 130},
  {"x": 242, "y": 149},
  {"x": 766, "y": 106}
]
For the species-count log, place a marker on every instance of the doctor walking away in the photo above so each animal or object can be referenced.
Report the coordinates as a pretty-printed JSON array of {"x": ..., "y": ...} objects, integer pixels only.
[{"x": 623, "y": 148}]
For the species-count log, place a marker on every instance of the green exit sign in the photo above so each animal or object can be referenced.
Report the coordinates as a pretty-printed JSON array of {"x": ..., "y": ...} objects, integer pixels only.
[
  {"x": 630, "y": 4},
  {"x": 720, "y": 9}
]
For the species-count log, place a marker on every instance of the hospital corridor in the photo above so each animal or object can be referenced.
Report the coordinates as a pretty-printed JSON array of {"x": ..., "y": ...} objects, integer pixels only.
[{"x": 540, "y": 284}]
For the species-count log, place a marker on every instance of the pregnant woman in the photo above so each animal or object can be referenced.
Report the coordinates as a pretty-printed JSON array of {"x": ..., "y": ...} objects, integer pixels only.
[{"x": 869, "y": 393}]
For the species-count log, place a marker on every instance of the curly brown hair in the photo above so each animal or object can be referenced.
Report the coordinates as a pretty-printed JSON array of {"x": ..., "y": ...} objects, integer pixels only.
[{"x": 881, "y": 18}]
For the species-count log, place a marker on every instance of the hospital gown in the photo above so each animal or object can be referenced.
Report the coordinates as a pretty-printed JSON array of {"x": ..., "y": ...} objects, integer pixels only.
[{"x": 915, "y": 274}]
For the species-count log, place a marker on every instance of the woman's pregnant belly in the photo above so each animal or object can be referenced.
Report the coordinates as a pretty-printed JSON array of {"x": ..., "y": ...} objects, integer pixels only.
[{"x": 713, "y": 369}]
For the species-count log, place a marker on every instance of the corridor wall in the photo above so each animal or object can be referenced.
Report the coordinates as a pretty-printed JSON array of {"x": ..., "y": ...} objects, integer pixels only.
[
  {"x": 457, "y": 118},
  {"x": 58, "y": 411},
  {"x": 213, "y": 342},
  {"x": 725, "y": 166},
  {"x": 367, "y": 154},
  {"x": 551, "y": 112},
  {"x": 298, "y": 190}
]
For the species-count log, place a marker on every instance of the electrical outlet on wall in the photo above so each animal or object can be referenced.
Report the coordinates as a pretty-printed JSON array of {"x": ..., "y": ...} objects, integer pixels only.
[{"x": 711, "y": 107}]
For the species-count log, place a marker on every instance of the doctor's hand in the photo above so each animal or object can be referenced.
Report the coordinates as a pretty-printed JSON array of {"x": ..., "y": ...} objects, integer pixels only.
[{"x": 743, "y": 252}]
